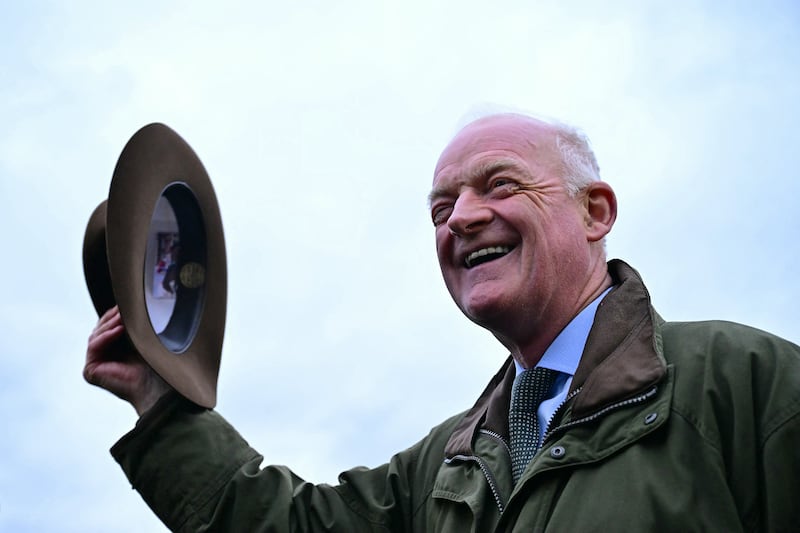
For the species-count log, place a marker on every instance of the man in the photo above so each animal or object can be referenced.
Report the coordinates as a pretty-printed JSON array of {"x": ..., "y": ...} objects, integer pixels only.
[{"x": 645, "y": 425}]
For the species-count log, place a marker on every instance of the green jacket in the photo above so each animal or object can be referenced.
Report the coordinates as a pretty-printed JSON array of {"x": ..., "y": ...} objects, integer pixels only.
[{"x": 668, "y": 427}]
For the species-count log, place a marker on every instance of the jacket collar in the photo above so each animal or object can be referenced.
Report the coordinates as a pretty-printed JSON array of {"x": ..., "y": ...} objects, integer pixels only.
[{"x": 621, "y": 359}]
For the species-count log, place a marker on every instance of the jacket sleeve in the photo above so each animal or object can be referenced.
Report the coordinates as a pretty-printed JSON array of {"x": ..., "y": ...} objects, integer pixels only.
[
  {"x": 780, "y": 442},
  {"x": 781, "y": 476},
  {"x": 198, "y": 474}
]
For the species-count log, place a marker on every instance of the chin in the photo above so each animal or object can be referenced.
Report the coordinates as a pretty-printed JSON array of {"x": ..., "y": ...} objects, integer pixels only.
[{"x": 482, "y": 311}]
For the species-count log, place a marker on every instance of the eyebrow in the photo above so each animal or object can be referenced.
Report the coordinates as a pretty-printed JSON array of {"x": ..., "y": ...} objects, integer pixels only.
[{"x": 480, "y": 172}]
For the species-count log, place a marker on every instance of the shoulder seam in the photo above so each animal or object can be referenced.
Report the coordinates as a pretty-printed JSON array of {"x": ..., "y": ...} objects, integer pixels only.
[
  {"x": 694, "y": 423},
  {"x": 783, "y": 417}
]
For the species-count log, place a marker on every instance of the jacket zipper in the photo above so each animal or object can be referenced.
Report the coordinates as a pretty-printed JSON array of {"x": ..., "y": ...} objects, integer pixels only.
[
  {"x": 497, "y": 437},
  {"x": 486, "y": 473},
  {"x": 557, "y": 413},
  {"x": 624, "y": 403}
]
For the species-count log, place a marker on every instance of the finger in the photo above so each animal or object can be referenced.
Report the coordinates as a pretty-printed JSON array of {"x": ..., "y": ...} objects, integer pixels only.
[
  {"x": 113, "y": 376},
  {"x": 102, "y": 347},
  {"x": 106, "y": 323},
  {"x": 102, "y": 339},
  {"x": 108, "y": 316}
]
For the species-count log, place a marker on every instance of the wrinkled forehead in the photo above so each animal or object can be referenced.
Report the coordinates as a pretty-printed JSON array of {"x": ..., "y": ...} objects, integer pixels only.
[{"x": 525, "y": 137}]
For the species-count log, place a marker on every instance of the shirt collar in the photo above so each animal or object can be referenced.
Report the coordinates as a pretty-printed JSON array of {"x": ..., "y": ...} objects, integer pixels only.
[{"x": 564, "y": 353}]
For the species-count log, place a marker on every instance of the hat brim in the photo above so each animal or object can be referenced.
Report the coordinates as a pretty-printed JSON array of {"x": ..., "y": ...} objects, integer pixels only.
[
  {"x": 95, "y": 264},
  {"x": 157, "y": 163}
]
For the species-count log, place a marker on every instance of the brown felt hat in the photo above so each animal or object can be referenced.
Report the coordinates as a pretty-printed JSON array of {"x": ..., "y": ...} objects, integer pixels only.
[{"x": 156, "y": 249}]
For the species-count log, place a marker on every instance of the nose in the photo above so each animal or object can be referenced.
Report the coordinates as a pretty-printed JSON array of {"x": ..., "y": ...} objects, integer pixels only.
[{"x": 470, "y": 214}]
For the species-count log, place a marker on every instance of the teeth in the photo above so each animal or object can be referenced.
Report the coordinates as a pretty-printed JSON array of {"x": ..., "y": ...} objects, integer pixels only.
[{"x": 486, "y": 251}]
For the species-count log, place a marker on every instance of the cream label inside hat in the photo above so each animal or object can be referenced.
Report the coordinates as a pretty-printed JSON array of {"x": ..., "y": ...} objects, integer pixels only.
[{"x": 160, "y": 268}]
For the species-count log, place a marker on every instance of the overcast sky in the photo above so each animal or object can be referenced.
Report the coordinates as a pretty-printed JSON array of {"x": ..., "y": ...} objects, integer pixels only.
[{"x": 320, "y": 124}]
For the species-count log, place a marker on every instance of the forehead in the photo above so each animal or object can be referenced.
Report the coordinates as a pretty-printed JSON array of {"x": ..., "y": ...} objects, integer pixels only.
[{"x": 503, "y": 140}]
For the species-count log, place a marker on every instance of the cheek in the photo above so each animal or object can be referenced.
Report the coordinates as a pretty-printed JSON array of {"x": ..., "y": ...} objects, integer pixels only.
[{"x": 441, "y": 240}]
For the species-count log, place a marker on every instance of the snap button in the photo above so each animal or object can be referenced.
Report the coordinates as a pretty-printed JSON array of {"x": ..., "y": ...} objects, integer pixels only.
[
  {"x": 649, "y": 419},
  {"x": 557, "y": 452}
]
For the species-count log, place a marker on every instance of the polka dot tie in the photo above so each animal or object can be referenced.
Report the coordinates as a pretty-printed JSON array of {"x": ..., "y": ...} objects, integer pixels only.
[{"x": 530, "y": 388}]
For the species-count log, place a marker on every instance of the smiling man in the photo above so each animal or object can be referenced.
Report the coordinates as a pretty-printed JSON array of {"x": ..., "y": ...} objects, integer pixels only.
[
  {"x": 521, "y": 253},
  {"x": 604, "y": 418}
]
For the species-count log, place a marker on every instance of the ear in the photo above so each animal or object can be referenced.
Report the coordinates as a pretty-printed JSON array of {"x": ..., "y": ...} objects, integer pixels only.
[{"x": 600, "y": 204}]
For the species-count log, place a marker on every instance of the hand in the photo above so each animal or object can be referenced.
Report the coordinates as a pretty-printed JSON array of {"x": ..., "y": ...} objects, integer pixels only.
[{"x": 113, "y": 364}]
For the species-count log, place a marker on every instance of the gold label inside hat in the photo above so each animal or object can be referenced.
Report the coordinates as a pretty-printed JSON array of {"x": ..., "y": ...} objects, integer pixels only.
[{"x": 193, "y": 275}]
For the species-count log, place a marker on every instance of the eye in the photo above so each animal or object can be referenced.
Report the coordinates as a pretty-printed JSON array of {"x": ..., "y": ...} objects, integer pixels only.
[
  {"x": 502, "y": 186},
  {"x": 440, "y": 214}
]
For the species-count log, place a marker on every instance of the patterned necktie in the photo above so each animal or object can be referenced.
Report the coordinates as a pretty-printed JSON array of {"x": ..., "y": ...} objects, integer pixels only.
[{"x": 530, "y": 388}]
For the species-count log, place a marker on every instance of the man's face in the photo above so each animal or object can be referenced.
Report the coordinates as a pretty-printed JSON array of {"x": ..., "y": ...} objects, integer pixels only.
[{"x": 511, "y": 241}]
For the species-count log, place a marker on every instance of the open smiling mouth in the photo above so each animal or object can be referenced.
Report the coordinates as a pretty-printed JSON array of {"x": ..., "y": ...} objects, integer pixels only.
[{"x": 484, "y": 255}]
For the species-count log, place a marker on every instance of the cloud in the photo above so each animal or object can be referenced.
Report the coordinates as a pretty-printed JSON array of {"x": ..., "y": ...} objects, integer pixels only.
[{"x": 320, "y": 126}]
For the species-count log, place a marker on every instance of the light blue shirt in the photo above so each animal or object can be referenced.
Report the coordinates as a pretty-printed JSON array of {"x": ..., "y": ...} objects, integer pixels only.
[{"x": 563, "y": 355}]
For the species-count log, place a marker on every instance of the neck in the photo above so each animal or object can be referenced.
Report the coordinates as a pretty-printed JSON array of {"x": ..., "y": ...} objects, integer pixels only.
[{"x": 527, "y": 350}]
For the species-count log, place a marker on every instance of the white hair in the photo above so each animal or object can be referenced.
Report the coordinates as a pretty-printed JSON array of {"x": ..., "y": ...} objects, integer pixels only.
[{"x": 579, "y": 165}]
